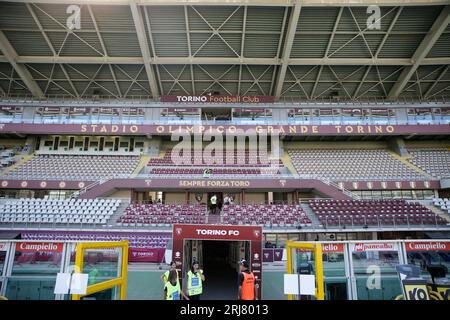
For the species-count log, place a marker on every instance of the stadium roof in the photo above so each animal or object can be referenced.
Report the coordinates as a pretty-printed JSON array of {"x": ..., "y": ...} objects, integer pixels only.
[{"x": 306, "y": 50}]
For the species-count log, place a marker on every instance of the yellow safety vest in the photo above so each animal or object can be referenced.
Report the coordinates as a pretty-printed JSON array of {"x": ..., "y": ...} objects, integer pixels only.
[
  {"x": 194, "y": 285},
  {"x": 166, "y": 276},
  {"x": 173, "y": 291}
]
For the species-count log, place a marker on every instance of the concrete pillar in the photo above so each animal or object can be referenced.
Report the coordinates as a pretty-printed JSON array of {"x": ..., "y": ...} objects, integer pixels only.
[
  {"x": 28, "y": 114},
  {"x": 397, "y": 144},
  {"x": 402, "y": 115},
  {"x": 31, "y": 142}
]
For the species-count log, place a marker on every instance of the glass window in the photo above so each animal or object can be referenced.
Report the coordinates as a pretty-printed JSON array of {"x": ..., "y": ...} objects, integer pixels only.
[
  {"x": 281, "y": 240},
  {"x": 334, "y": 271},
  {"x": 25, "y": 288},
  {"x": 33, "y": 258},
  {"x": 427, "y": 253},
  {"x": 101, "y": 264},
  {"x": 2, "y": 257},
  {"x": 374, "y": 270}
]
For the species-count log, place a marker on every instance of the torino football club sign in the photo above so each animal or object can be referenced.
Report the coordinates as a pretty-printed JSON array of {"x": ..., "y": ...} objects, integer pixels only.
[
  {"x": 253, "y": 234},
  {"x": 217, "y": 99}
]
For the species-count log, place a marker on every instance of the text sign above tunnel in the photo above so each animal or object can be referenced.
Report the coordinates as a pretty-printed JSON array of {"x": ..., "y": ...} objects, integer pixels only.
[{"x": 217, "y": 232}]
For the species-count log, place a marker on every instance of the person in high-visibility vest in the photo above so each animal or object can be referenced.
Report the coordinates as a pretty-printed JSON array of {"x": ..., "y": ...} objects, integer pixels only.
[
  {"x": 165, "y": 275},
  {"x": 172, "y": 290},
  {"x": 195, "y": 279},
  {"x": 247, "y": 283}
]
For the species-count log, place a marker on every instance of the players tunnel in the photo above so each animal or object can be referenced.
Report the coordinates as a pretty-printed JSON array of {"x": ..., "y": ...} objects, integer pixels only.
[{"x": 218, "y": 249}]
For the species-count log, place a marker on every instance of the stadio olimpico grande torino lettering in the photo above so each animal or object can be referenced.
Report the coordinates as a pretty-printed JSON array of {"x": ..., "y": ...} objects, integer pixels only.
[{"x": 211, "y": 129}]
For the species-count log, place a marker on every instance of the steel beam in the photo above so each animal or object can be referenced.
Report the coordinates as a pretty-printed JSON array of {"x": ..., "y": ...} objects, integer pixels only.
[
  {"x": 142, "y": 38},
  {"x": 11, "y": 56},
  {"x": 439, "y": 25},
  {"x": 288, "y": 42}
]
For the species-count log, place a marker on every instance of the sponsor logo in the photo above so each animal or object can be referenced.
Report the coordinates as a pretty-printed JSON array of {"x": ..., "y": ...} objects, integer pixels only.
[
  {"x": 142, "y": 254},
  {"x": 178, "y": 231},
  {"x": 256, "y": 265},
  {"x": 206, "y": 232},
  {"x": 39, "y": 247},
  {"x": 256, "y": 233},
  {"x": 256, "y": 256},
  {"x": 427, "y": 246},
  {"x": 4, "y": 183},
  {"x": 2, "y": 246},
  {"x": 331, "y": 247},
  {"x": 362, "y": 247}
]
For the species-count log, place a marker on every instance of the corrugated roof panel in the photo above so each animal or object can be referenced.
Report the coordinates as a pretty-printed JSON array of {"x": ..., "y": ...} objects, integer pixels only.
[
  {"x": 258, "y": 72},
  {"x": 74, "y": 46},
  {"x": 114, "y": 18},
  {"x": 350, "y": 46},
  {"x": 417, "y": 18},
  {"x": 15, "y": 15},
  {"x": 121, "y": 45},
  {"x": 261, "y": 46},
  {"x": 21, "y": 43},
  {"x": 309, "y": 46},
  {"x": 168, "y": 72},
  {"x": 303, "y": 72},
  {"x": 168, "y": 18},
  {"x": 441, "y": 48},
  {"x": 317, "y": 19},
  {"x": 48, "y": 13},
  {"x": 171, "y": 44},
  {"x": 215, "y": 47},
  {"x": 400, "y": 46},
  {"x": 215, "y": 16},
  {"x": 265, "y": 19}
]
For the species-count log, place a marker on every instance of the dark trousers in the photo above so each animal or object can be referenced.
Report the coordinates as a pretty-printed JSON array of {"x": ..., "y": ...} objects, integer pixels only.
[{"x": 195, "y": 297}]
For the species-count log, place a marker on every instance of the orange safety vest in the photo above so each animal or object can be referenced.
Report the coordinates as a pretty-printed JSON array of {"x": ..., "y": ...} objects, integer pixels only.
[{"x": 248, "y": 286}]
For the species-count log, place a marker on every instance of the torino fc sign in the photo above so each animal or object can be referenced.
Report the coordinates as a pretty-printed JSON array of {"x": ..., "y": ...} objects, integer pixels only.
[{"x": 218, "y": 99}]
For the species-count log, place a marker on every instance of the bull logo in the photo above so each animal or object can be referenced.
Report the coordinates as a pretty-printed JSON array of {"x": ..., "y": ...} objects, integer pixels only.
[
  {"x": 256, "y": 233},
  {"x": 256, "y": 256},
  {"x": 147, "y": 182},
  {"x": 178, "y": 231},
  {"x": 177, "y": 254},
  {"x": 283, "y": 182}
]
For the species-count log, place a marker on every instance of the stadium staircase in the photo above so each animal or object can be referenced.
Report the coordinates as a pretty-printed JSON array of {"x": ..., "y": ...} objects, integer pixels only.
[
  {"x": 288, "y": 163},
  {"x": 141, "y": 165},
  {"x": 439, "y": 212},
  {"x": 119, "y": 212},
  {"x": 213, "y": 218},
  {"x": 405, "y": 161},
  {"x": 314, "y": 221},
  {"x": 24, "y": 159}
]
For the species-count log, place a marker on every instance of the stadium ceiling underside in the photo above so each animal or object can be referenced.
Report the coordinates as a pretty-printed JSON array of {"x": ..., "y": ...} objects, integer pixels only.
[{"x": 291, "y": 50}]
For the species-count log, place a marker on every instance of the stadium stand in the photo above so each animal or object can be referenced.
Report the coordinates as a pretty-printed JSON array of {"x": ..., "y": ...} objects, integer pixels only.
[
  {"x": 278, "y": 215},
  {"x": 162, "y": 214},
  {"x": 150, "y": 240},
  {"x": 351, "y": 165},
  {"x": 443, "y": 204},
  {"x": 435, "y": 161},
  {"x": 373, "y": 212},
  {"x": 70, "y": 167},
  {"x": 48, "y": 211}
]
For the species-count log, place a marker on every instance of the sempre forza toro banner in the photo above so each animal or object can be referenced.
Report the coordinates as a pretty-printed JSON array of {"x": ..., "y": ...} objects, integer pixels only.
[{"x": 253, "y": 234}]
